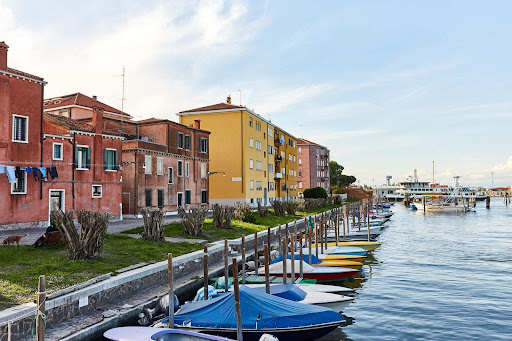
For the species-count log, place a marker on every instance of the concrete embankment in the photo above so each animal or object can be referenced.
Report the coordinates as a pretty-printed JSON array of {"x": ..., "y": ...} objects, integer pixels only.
[{"x": 85, "y": 311}]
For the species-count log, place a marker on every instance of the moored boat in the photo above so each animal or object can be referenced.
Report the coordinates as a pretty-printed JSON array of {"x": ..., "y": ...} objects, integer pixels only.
[{"x": 321, "y": 274}]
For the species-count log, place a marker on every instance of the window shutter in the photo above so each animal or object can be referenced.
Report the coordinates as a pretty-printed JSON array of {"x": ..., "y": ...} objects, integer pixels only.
[
  {"x": 88, "y": 162},
  {"x": 105, "y": 159},
  {"x": 76, "y": 157},
  {"x": 116, "y": 160}
]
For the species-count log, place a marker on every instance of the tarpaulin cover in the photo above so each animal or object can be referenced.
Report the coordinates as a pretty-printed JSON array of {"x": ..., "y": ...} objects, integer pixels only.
[
  {"x": 259, "y": 311},
  {"x": 289, "y": 291},
  {"x": 305, "y": 258}
]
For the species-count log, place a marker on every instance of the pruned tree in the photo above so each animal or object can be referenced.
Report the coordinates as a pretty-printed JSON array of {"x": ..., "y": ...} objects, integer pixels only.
[
  {"x": 262, "y": 210},
  {"x": 193, "y": 220},
  {"x": 86, "y": 242},
  {"x": 222, "y": 216},
  {"x": 153, "y": 224},
  {"x": 291, "y": 207},
  {"x": 279, "y": 208}
]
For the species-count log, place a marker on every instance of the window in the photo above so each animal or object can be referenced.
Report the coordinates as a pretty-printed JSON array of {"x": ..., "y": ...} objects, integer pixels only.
[
  {"x": 159, "y": 166},
  {"x": 180, "y": 140},
  {"x": 251, "y": 142},
  {"x": 283, "y": 154},
  {"x": 82, "y": 157},
  {"x": 258, "y": 165},
  {"x": 270, "y": 150},
  {"x": 204, "y": 145},
  {"x": 148, "y": 197},
  {"x": 187, "y": 142},
  {"x": 187, "y": 197},
  {"x": 97, "y": 191},
  {"x": 258, "y": 185},
  {"x": 180, "y": 168},
  {"x": 20, "y": 186},
  {"x": 147, "y": 164},
  {"x": 300, "y": 173},
  {"x": 187, "y": 169},
  {"x": 300, "y": 161},
  {"x": 57, "y": 151},
  {"x": 270, "y": 168},
  {"x": 110, "y": 159},
  {"x": 300, "y": 150},
  {"x": 258, "y": 145},
  {"x": 251, "y": 163},
  {"x": 204, "y": 197},
  {"x": 203, "y": 171},
  {"x": 170, "y": 175},
  {"x": 250, "y": 122},
  {"x": 290, "y": 157},
  {"x": 19, "y": 128},
  {"x": 290, "y": 142},
  {"x": 258, "y": 125},
  {"x": 251, "y": 185},
  {"x": 283, "y": 170},
  {"x": 180, "y": 199},
  {"x": 160, "y": 198},
  {"x": 300, "y": 183},
  {"x": 294, "y": 158},
  {"x": 270, "y": 132}
]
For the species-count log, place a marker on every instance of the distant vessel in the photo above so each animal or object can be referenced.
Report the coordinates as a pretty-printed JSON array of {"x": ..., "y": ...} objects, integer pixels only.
[{"x": 415, "y": 189}]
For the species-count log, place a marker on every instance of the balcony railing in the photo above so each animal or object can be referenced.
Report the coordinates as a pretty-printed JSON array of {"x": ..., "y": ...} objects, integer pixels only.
[
  {"x": 279, "y": 141},
  {"x": 278, "y": 176},
  {"x": 278, "y": 158},
  {"x": 324, "y": 178}
]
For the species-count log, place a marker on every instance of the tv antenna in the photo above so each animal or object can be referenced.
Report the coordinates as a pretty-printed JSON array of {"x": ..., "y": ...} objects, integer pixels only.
[
  {"x": 240, "y": 91},
  {"x": 122, "y": 97}
]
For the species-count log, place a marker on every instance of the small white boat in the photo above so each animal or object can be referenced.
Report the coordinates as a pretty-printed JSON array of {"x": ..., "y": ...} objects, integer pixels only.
[
  {"x": 159, "y": 334},
  {"x": 323, "y": 299},
  {"x": 309, "y": 288}
]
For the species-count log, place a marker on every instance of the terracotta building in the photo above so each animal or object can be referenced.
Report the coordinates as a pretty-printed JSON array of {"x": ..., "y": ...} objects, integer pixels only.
[
  {"x": 313, "y": 165},
  {"x": 39, "y": 169},
  {"x": 165, "y": 164}
]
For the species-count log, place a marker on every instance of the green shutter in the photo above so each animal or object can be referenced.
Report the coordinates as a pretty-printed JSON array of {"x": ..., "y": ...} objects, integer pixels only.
[
  {"x": 88, "y": 161},
  {"x": 76, "y": 157},
  {"x": 105, "y": 159},
  {"x": 116, "y": 160}
]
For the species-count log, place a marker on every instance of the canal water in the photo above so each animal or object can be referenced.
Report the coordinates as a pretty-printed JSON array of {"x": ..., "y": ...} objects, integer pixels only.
[{"x": 437, "y": 276}]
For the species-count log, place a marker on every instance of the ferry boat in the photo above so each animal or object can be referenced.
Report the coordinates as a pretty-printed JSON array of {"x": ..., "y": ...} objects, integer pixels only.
[{"x": 412, "y": 188}]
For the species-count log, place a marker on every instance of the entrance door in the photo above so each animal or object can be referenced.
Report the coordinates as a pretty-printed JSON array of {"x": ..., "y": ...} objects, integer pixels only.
[
  {"x": 264, "y": 197},
  {"x": 56, "y": 201}
]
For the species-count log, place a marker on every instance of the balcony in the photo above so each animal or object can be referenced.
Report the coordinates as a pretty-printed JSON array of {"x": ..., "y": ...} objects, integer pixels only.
[
  {"x": 324, "y": 178},
  {"x": 279, "y": 141},
  {"x": 323, "y": 156},
  {"x": 278, "y": 158},
  {"x": 278, "y": 176}
]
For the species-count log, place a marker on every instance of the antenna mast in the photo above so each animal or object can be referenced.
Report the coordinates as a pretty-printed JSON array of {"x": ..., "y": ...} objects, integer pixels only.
[
  {"x": 433, "y": 178},
  {"x": 122, "y": 98},
  {"x": 240, "y": 91}
]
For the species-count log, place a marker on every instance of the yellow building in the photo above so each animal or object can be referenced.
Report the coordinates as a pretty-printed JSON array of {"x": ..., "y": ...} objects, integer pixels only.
[{"x": 256, "y": 161}]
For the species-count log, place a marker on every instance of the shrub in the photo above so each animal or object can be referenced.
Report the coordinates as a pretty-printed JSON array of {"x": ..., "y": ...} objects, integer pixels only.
[
  {"x": 317, "y": 192},
  {"x": 337, "y": 191},
  {"x": 86, "y": 242},
  {"x": 153, "y": 221},
  {"x": 279, "y": 208},
  {"x": 193, "y": 220},
  {"x": 262, "y": 210},
  {"x": 301, "y": 205},
  {"x": 242, "y": 209},
  {"x": 249, "y": 217},
  {"x": 222, "y": 216},
  {"x": 291, "y": 207},
  {"x": 313, "y": 203}
]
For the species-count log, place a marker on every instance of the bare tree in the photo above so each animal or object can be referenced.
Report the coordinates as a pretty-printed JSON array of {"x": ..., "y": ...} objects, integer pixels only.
[
  {"x": 153, "y": 221},
  {"x": 193, "y": 220},
  {"x": 222, "y": 216},
  {"x": 86, "y": 242}
]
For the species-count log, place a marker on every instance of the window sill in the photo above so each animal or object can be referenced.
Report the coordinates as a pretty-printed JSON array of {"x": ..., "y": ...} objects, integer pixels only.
[
  {"x": 19, "y": 141},
  {"x": 96, "y": 197},
  {"x": 16, "y": 193},
  {"x": 110, "y": 170},
  {"x": 57, "y": 159},
  {"x": 83, "y": 169}
]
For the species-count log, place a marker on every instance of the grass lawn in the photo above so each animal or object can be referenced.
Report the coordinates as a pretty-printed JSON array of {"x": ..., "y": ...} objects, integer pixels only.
[
  {"x": 211, "y": 233},
  {"x": 20, "y": 266}
]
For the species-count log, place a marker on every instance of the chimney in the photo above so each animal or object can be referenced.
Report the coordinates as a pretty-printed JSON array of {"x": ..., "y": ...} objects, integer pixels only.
[
  {"x": 228, "y": 101},
  {"x": 197, "y": 124},
  {"x": 3, "y": 55},
  {"x": 95, "y": 98},
  {"x": 97, "y": 119}
]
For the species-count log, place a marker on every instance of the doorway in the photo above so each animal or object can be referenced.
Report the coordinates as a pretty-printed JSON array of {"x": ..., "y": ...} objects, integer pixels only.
[{"x": 57, "y": 202}]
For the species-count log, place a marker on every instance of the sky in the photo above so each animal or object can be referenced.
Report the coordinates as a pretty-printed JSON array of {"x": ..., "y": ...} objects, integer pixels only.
[{"x": 387, "y": 86}]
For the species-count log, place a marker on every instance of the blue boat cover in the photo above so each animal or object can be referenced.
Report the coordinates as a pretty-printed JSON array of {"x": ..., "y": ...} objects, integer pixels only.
[
  {"x": 259, "y": 311},
  {"x": 289, "y": 291},
  {"x": 305, "y": 258}
]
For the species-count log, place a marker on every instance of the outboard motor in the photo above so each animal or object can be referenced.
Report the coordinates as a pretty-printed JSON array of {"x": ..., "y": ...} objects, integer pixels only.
[{"x": 147, "y": 317}]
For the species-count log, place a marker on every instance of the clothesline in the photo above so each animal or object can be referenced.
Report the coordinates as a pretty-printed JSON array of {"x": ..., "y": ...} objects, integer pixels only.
[
  {"x": 14, "y": 173},
  {"x": 45, "y": 164}
]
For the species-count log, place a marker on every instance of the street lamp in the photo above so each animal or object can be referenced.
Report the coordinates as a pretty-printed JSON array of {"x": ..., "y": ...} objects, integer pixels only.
[{"x": 211, "y": 173}]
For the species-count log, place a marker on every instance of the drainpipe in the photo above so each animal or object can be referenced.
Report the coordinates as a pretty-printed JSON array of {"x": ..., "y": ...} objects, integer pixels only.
[
  {"x": 41, "y": 141},
  {"x": 74, "y": 169},
  {"x": 242, "y": 145}
]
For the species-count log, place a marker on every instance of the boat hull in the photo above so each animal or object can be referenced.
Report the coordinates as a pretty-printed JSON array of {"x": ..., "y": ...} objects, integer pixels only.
[
  {"x": 283, "y": 334},
  {"x": 323, "y": 277}
]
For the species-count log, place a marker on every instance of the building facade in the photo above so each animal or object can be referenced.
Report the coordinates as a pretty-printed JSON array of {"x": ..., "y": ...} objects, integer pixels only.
[
  {"x": 165, "y": 164},
  {"x": 313, "y": 165},
  {"x": 39, "y": 169},
  {"x": 253, "y": 160}
]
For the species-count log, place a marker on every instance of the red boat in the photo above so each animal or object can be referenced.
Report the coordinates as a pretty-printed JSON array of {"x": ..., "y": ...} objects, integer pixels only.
[{"x": 320, "y": 274}]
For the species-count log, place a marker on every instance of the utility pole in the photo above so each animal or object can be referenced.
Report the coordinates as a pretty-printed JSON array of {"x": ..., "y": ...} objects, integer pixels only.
[{"x": 122, "y": 97}]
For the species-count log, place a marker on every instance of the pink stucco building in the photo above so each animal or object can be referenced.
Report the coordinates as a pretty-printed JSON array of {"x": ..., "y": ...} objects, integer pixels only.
[{"x": 313, "y": 165}]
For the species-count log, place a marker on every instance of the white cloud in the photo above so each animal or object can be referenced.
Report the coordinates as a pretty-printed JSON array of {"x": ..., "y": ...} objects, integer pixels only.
[{"x": 504, "y": 166}]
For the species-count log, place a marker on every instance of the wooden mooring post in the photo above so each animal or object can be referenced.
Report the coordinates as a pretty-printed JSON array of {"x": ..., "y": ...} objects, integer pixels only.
[
  {"x": 238, "y": 311},
  {"x": 301, "y": 270},
  {"x": 243, "y": 259},
  {"x": 40, "y": 308},
  {"x": 488, "y": 202},
  {"x": 205, "y": 272},
  {"x": 267, "y": 276},
  {"x": 256, "y": 258},
  {"x": 292, "y": 256},
  {"x": 226, "y": 270},
  {"x": 285, "y": 256},
  {"x": 170, "y": 271}
]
